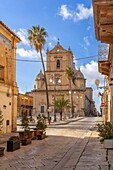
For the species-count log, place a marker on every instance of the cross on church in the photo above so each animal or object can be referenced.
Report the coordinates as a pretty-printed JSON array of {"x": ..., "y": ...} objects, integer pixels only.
[{"x": 58, "y": 40}]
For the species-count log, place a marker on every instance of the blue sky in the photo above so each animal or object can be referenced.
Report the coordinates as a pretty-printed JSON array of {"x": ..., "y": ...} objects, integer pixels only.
[{"x": 70, "y": 21}]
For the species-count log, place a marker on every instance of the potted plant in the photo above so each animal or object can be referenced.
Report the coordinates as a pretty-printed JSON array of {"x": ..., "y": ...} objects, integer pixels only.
[
  {"x": 1, "y": 131},
  {"x": 26, "y": 137},
  {"x": 41, "y": 126},
  {"x": 106, "y": 134},
  {"x": 13, "y": 143}
]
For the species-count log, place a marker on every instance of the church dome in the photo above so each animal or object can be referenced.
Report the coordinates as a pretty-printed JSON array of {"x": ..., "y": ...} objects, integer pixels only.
[
  {"x": 40, "y": 76},
  {"x": 78, "y": 74}
]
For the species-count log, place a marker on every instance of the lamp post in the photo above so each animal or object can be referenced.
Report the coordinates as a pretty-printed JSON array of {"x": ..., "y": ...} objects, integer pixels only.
[
  {"x": 79, "y": 97},
  {"x": 97, "y": 82},
  {"x": 55, "y": 80},
  {"x": 72, "y": 108}
]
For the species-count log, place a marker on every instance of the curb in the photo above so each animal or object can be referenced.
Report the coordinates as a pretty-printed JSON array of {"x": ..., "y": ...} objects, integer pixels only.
[{"x": 64, "y": 123}]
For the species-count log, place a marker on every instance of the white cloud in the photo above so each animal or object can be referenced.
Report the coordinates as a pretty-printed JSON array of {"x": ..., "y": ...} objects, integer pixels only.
[
  {"x": 22, "y": 33},
  {"x": 64, "y": 12},
  {"x": 90, "y": 71},
  {"x": 86, "y": 41},
  {"x": 27, "y": 53},
  {"x": 20, "y": 91},
  {"x": 88, "y": 28},
  {"x": 81, "y": 12}
]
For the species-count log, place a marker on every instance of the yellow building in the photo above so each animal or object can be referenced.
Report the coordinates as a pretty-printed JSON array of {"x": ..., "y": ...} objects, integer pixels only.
[
  {"x": 90, "y": 109},
  {"x": 25, "y": 104},
  {"x": 8, "y": 85},
  {"x": 103, "y": 20},
  {"x": 58, "y": 84}
]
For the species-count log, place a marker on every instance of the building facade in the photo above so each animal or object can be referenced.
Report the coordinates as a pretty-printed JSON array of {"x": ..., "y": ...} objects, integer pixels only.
[
  {"x": 103, "y": 20},
  {"x": 8, "y": 85},
  {"x": 25, "y": 105},
  {"x": 90, "y": 109},
  {"x": 58, "y": 84}
]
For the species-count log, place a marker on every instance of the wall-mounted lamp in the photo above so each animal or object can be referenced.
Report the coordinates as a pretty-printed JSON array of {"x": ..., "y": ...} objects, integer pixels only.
[{"x": 97, "y": 82}]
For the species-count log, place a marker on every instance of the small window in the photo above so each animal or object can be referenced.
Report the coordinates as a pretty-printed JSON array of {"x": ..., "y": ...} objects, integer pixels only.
[
  {"x": 42, "y": 109},
  {"x": 1, "y": 73},
  {"x": 58, "y": 64},
  {"x": 7, "y": 122}
]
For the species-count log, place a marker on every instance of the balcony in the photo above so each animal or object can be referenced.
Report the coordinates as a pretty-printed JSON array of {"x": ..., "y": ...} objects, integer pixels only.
[
  {"x": 103, "y": 17},
  {"x": 103, "y": 61}
]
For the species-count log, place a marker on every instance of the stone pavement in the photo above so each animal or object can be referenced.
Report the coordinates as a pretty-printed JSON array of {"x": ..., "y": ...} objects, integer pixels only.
[
  {"x": 82, "y": 153},
  {"x": 63, "y": 122},
  {"x": 5, "y": 137}
]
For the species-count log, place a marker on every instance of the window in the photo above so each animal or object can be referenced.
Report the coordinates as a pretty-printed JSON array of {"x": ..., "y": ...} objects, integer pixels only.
[
  {"x": 7, "y": 122},
  {"x": 1, "y": 72},
  {"x": 5, "y": 41},
  {"x": 58, "y": 64},
  {"x": 42, "y": 109}
]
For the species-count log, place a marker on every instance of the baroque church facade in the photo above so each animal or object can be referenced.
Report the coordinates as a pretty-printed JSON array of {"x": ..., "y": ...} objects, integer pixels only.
[{"x": 57, "y": 60}]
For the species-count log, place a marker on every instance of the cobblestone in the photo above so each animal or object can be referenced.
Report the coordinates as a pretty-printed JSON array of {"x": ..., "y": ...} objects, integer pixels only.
[{"x": 70, "y": 146}]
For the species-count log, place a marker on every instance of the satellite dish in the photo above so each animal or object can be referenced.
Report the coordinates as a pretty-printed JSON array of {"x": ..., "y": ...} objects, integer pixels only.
[{"x": 97, "y": 82}]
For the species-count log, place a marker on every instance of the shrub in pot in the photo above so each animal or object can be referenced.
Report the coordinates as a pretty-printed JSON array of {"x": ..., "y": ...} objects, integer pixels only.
[
  {"x": 26, "y": 138},
  {"x": 106, "y": 134},
  {"x": 13, "y": 143},
  {"x": 1, "y": 131},
  {"x": 41, "y": 126}
]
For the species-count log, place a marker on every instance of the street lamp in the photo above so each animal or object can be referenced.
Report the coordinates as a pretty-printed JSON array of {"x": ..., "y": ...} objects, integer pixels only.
[
  {"x": 97, "y": 82},
  {"x": 55, "y": 80},
  {"x": 79, "y": 97},
  {"x": 72, "y": 108}
]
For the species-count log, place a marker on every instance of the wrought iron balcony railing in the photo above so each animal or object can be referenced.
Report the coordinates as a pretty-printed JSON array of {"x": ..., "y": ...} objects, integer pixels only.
[{"x": 103, "y": 50}]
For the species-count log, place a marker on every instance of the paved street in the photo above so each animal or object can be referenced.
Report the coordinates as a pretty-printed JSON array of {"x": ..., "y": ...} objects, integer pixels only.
[{"x": 71, "y": 146}]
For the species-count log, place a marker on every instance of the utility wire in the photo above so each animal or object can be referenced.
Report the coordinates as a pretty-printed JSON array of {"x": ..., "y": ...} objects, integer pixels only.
[
  {"x": 54, "y": 61},
  {"x": 86, "y": 57}
]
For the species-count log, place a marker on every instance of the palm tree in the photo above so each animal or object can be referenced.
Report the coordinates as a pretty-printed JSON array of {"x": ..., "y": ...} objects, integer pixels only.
[
  {"x": 70, "y": 73},
  {"x": 60, "y": 104},
  {"x": 37, "y": 36}
]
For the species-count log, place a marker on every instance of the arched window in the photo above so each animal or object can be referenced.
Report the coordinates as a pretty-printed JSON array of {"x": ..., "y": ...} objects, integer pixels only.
[{"x": 58, "y": 64}]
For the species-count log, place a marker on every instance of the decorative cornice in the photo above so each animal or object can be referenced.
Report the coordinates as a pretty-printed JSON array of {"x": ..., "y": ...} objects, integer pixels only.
[{"x": 18, "y": 39}]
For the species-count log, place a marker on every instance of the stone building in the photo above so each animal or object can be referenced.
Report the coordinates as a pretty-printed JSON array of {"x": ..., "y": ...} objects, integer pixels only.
[
  {"x": 90, "y": 109},
  {"x": 25, "y": 105},
  {"x": 58, "y": 84},
  {"x": 8, "y": 85},
  {"x": 103, "y": 21}
]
